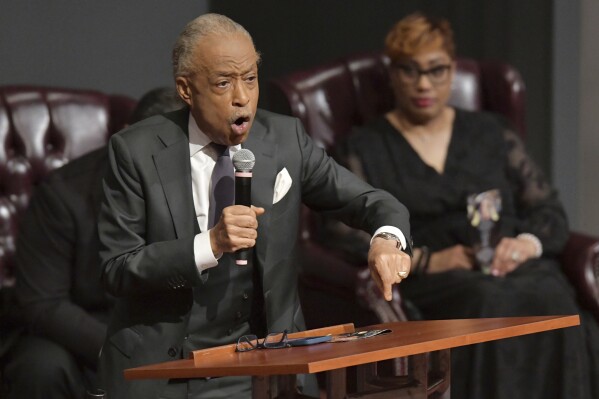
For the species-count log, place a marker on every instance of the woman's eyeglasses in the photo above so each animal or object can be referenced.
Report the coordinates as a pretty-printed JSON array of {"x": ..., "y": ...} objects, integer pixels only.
[
  {"x": 271, "y": 341},
  {"x": 437, "y": 75}
]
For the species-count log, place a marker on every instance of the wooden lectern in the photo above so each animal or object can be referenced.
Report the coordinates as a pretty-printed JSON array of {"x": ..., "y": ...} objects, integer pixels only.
[{"x": 426, "y": 343}]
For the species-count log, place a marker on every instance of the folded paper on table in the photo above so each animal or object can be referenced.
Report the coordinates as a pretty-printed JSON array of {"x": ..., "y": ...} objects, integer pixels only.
[{"x": 358, "y": 335}]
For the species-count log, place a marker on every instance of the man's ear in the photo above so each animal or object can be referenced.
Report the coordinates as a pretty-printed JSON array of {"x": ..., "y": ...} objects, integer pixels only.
[{"x": 183, "y": 89}]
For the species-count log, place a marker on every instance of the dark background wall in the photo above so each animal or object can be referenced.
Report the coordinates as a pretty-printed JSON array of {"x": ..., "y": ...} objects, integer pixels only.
[{"x": 110, "y": 45}]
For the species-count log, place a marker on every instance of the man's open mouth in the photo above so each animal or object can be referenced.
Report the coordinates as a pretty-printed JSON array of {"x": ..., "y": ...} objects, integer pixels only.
[
  {"x": 241, "y": 124},
  {"x": 239, "y": 121}
]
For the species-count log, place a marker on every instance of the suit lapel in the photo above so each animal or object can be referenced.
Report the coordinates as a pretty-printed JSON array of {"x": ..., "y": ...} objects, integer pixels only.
[
  {"x": 174, "y": 170},
  {"x": 263, "y": 179},
  {"x": 265, "y": 168}
]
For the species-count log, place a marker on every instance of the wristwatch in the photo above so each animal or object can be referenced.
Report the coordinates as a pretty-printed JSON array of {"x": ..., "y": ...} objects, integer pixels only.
[{"x": 390, "y": 236}]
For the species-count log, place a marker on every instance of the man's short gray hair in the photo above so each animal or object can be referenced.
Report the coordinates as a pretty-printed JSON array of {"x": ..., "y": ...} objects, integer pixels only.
[{"x": 194, "y": 31}]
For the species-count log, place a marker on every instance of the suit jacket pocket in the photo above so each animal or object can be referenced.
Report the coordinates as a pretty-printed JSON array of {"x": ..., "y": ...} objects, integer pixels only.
[
  {"x": 287, "y": 204},
  {"x": 126, "y": 340}
]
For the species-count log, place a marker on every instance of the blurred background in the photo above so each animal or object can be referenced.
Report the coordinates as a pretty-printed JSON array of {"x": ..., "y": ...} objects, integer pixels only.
[{"x": 124, "y": 47}]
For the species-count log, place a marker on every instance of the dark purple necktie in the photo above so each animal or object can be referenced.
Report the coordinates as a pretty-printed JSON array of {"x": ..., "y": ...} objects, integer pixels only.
[{"x": 222, "y": 193}]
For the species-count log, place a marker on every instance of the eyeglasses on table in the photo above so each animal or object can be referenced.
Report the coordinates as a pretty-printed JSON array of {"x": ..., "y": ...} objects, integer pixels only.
[{"x": 250, "y": 342}]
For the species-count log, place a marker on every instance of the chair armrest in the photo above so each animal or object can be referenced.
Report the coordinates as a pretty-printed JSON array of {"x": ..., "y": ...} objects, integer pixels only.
[{"x": 580, "y": 262}]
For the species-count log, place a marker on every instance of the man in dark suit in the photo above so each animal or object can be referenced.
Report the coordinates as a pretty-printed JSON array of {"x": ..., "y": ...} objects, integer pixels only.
[
  {"x": 171, "y": 268},
  {"x": 63, "y": 303}
]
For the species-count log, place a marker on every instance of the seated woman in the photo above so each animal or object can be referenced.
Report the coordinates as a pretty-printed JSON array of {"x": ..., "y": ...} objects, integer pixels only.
[{"x": 486, "y": 225}]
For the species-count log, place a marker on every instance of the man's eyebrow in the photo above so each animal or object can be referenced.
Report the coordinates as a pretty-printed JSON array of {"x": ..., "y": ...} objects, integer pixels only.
[
  {"x": 222, "y": 73},
  {"x": 227, "y": 74}
]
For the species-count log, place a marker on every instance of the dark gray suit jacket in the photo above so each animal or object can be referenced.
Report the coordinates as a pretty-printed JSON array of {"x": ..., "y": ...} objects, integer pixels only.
[
  {"x": 147, "y": 230},
  {"x": 58, "y": 273}
]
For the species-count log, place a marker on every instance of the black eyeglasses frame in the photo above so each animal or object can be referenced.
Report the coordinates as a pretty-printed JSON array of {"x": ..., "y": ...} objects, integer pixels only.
[
  {"x": 247, "y": 343},
  {"x": 412, "y": 74}
]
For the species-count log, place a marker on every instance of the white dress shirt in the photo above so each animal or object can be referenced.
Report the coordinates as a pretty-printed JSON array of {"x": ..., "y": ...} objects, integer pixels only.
[{"x": 203, "y": 159}]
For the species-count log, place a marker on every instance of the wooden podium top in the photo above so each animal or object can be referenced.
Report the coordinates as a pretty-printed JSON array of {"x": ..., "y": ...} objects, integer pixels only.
[{"x": 406, "y": 338}]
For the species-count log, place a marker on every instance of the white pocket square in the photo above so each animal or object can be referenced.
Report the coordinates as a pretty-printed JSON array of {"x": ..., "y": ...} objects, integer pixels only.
[{"x": 282, "y": 185}]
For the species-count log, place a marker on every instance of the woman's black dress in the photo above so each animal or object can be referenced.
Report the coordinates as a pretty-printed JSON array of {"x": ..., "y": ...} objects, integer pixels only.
[{"x": 483, "y": 155}]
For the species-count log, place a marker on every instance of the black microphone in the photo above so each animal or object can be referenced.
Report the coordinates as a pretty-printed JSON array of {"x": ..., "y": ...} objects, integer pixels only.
[{"x": 243, "y": 161}]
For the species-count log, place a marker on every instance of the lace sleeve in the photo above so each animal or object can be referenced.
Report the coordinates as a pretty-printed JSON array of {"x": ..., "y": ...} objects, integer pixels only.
[{"x": 538, "y": 207}]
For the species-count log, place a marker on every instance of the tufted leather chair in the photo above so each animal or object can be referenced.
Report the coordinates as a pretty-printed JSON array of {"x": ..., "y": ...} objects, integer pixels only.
[
  {"x": 330, "y": 99},
  {"x": 42, "y": 128}
]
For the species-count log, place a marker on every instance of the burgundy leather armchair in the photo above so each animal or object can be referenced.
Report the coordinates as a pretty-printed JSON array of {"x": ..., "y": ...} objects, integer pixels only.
[
  {"x": 330, "y": 99},
  {"x": 42, "y": 128}
]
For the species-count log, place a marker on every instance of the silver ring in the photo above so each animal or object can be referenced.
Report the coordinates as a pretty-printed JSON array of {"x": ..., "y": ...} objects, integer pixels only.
[
  {"x": 402, "y": 275},
  {"x": 515, "y": 256}
]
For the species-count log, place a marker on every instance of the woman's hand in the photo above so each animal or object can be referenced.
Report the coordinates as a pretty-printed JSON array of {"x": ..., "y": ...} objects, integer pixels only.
[
  {"x": 456, "y": 257},
  {"x": 511, "y": 253}
]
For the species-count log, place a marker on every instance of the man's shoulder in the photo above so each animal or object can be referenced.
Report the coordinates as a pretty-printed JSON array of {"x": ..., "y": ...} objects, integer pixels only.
[
  {"x": 165, "y": 124},
  {"x": 75, "y": 180},
  {"x": 82, "y": 167}
]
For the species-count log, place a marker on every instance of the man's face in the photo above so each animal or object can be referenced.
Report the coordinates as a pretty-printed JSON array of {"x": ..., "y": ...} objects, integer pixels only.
[{"x": 223, "y": 89}]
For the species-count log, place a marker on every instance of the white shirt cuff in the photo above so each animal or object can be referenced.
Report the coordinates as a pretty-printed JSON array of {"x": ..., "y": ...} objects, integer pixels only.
[
  {"x": 392, "y": 230},
  {"x": 202, "y": 252}
]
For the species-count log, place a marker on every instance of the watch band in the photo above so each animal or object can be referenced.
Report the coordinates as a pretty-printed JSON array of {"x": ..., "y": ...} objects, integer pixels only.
[{"x": 389, "y": 236}]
